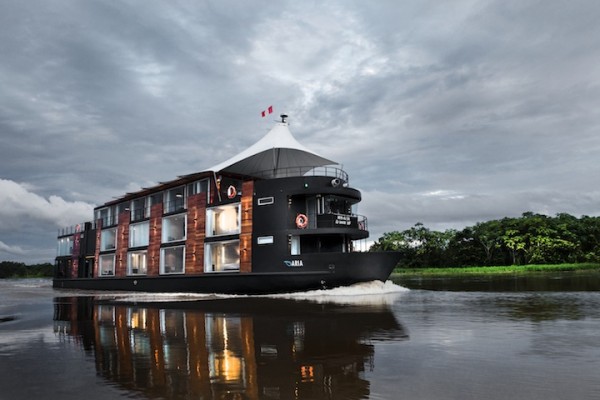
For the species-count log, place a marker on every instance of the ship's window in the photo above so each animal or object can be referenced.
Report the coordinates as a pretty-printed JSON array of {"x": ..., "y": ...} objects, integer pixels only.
[
  {"x": 139, "y": 234},
  {"x": 222, "y": 256},
  {"x": 137, "y": 263},
  {"x": 175, "y": 199},
  {"x": 333, "y": 205},
  {"x": 108, "y": 239},
  {"x": 65, "y": 246},
  {"x": 265, "y": 240},
  {"x": 139, "y": 209},
  {"x": 295, "y": 245},
  {"x": 223, "y": 220},
  {"x": 106, "y": 215},
  {"x": 107, "y": 265},
  {"x": 173, "y": 228},
  {"x": 198, "y": 187},
  {"x": 172, "y": 260},
  {"x": 263, "y": 201}
]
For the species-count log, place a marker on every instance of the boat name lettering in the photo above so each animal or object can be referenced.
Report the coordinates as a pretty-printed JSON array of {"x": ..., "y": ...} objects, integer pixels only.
[
  {"x": 293, "y": 263},
  {"x": 342, "y": 220}
]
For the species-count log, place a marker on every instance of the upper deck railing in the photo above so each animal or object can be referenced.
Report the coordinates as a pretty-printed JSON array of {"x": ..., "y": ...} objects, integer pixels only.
[
  {"x": 71, "y": 230},
  {"x": 329, "y": 171}
]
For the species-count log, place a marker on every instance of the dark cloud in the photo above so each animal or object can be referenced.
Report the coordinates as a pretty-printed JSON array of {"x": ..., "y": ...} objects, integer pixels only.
[{"x": 444, "y": 113}]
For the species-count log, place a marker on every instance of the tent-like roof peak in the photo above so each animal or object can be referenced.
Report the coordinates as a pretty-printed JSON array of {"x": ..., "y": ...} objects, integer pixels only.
[{"x": 278, "y": 153}]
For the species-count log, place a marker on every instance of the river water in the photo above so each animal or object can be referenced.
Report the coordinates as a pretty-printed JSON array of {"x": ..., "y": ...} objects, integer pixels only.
[{"x": 371, "y": 341}]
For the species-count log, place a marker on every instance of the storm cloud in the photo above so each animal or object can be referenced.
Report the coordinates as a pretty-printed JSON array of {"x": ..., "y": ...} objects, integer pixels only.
[{"x": 442, "y": 113}]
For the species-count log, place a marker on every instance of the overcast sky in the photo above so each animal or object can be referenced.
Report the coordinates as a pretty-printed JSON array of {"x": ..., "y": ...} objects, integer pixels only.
[{"x": 445, "y": 113}]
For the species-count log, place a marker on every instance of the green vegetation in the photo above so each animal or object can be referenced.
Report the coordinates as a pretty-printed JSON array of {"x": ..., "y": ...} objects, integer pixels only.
[
  {"x": 496, "y": 270},
  {"x": 531, "y": 239},
  {"x": 10, "y": 269}
]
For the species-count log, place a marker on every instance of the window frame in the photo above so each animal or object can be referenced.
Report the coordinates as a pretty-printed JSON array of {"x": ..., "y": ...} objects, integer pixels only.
[
  {"x": 162, "y": 270},
  {"x": 163, "y": 235},
  {"x": 211, "y": 220},
  {"x": 132, "y": 236},
  {"x": 129, "y": 263},
  {"x": 101, "y": 267},
  {"x": 103, "y": 235}
]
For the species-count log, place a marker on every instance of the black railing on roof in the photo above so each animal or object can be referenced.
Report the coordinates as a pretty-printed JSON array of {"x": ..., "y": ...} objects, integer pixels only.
[{"x": 333, "y": 172}]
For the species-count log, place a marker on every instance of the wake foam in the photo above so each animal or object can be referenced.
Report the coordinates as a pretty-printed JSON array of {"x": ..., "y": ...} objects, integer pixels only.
[{"x": 368, "y": 293}]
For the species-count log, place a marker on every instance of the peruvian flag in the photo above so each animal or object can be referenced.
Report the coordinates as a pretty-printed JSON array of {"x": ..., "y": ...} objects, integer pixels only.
[{"x": 267, "y": 111}]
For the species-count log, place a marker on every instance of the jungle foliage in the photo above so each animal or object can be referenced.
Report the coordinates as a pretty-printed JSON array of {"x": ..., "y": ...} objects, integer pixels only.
[
  {"x": 11, "y": 269},
  {"x": 529, "y": 239}
]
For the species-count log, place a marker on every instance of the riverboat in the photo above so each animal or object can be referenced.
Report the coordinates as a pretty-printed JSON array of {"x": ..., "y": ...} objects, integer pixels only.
[{"x": 274, "y": 218}]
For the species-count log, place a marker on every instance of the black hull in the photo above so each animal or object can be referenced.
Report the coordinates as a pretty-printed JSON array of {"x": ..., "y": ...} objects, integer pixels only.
[{"x": 328, "y": 270}]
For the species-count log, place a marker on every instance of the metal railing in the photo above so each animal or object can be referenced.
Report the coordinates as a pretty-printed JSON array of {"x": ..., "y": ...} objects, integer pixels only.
[
  {"x": 333, "y": 172},
  {"x": 71, "y": 230}
]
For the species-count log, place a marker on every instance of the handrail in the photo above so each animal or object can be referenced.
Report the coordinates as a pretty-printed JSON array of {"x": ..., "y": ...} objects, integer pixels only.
[
  {"x": 71, "y": 230},
  {"x": 287, "y": 172}
]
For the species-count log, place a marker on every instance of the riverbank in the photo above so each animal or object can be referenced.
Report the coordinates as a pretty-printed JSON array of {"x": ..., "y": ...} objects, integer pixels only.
[{"x": 494, "y": 270}]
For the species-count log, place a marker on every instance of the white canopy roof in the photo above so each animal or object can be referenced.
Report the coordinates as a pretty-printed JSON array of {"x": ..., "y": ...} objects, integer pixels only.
[{"x": 278, "y": 153}]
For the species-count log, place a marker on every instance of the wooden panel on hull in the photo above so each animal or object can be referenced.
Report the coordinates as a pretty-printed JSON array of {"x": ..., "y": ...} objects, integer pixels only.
[{"x": 246, "y": 231}]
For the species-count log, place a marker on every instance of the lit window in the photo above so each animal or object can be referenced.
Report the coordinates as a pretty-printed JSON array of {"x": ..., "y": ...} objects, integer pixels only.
[
  {"x": 222, "y": 256},
  {"x": 295, "y": 245},
  {"x": 223, "y": 220},
  {"x": 137, "y": 263}
]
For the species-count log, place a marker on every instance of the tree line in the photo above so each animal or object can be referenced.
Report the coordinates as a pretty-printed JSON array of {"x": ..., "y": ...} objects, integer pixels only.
[
  {"x": 11, "y": 269},
  {"x": 529, "y": 239}
]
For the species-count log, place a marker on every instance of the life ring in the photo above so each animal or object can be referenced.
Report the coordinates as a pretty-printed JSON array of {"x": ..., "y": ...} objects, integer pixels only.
[
  {"x": 301, "y": 221},
  {"x": 231, "y": 192}
]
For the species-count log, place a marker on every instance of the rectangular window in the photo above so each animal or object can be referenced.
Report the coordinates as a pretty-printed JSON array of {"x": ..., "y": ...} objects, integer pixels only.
[
  {"x": 139, "y": 234},
  {"x": 263, "y": 201},
  {"x": 137, "y": 263},
  {"x": 106, "y": 215},
  {"x": 295, "y": 245},
  {"x": 108, "y": 239},
  {"x": 222, "y": 256},
  {"x": 172, "y": 260},
  {"x": 65, "y": 246},
  {"x": 173, "y": 228},
  {"x": 223, "y": 220},
  {"x": 139, "y": 209},
  {"x": 198, "y": 187},
  {"x": 174, "y": 199},
  {"x": 265, "y": 240},
  {"x": 107, "y": 265}
]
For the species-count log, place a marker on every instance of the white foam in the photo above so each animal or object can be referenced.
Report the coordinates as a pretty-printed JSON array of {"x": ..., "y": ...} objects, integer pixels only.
[{"x": 367, "y": 293}]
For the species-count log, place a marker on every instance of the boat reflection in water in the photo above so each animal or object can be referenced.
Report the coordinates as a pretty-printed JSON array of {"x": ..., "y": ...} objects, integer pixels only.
[{"x": 230, "y": 348}]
